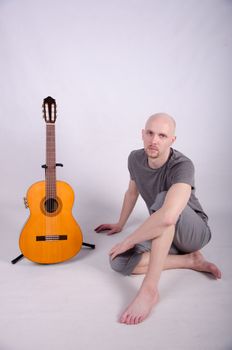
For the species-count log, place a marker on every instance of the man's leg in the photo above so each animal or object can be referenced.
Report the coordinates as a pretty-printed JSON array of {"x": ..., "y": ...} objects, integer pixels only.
[
  {"x": 152, "y": 265},
  {"x": 147, "y": 295},
  {"x": 194, "y": 261},
  {"x": 191, "y": 234}
]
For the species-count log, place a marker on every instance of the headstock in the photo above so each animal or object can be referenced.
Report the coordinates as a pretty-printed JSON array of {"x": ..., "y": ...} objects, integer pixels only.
[{"x": 49, "y": 110}]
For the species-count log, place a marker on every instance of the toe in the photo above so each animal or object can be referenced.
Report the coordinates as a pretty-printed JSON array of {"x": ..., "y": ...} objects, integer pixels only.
[
  {"x": 125, "y": 317},
  {"x": 137, "y": 319},
  {"x": 130, "y": 320}
]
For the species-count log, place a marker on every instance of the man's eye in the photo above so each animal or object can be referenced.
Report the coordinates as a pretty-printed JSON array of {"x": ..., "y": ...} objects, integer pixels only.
[{"x": 149, "y": 133}]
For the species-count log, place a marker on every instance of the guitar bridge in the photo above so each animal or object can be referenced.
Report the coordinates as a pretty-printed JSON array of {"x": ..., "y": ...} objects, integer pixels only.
[{"x": 52, "y": 238}]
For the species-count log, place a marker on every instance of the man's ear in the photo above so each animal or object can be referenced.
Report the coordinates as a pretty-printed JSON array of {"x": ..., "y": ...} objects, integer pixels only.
[
  {"x": 142, "y": 133},
  {"x": 173, "y": 139}
]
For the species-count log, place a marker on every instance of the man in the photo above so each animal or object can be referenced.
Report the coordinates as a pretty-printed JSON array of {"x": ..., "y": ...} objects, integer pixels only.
[{"x": 177, "y": 226}]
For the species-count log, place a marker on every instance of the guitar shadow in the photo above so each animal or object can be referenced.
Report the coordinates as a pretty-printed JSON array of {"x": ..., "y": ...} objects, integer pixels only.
[{"x": 81, "y": 255}]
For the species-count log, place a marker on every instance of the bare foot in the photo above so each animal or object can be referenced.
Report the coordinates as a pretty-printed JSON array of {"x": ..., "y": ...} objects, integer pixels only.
[
  {"x": 200, "y": 264},
  {"x": 140, "y": 307}
]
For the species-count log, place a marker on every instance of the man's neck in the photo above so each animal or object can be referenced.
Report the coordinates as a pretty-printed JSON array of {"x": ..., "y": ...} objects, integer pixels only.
[{"x": 156, "y": 163}]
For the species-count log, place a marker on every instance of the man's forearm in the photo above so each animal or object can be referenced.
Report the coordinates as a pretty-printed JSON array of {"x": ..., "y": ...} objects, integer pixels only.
[
  {"x": 127, "y": 207},
  {"x": 175, "y": 201},
  {"x": 151, "y": 228}
]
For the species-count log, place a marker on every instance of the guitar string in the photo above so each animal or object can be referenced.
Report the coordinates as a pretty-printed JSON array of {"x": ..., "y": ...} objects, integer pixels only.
[
  {"x": 48, "y": 184},
  {"x": 52, "y": 218},
  {"x": 54, "y": 187},
  {"x": 54, "y": 184},
  {"x": 52, "y": 199},
  {"x": 50, "y": 180}
]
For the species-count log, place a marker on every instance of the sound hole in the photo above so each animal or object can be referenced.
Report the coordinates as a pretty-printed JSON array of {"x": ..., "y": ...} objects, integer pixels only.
[{"x": 51, "y": 205}]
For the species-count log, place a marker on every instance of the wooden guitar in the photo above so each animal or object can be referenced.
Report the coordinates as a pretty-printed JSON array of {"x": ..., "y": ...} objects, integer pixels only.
[{"x": 51, "y": 234}]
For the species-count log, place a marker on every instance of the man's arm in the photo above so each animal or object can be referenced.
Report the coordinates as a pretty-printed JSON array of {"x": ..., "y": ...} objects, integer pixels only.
[
  {"x": 175, "y": 201},
  {"x": 129, "y": 202}
]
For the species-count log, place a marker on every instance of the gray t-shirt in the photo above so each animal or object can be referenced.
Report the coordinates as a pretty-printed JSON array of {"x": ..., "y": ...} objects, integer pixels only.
[{"x": 150, "y": 182}]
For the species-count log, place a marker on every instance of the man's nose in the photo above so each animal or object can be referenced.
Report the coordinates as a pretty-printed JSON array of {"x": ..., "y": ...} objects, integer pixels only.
[{"x": 155, "y": 138}]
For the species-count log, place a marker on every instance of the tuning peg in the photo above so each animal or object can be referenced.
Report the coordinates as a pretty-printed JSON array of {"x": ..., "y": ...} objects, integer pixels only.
[{"x": 25, "y": 202}]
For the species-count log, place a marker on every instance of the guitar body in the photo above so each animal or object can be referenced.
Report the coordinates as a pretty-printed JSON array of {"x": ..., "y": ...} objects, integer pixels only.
[{"x": 51, "y": 234}]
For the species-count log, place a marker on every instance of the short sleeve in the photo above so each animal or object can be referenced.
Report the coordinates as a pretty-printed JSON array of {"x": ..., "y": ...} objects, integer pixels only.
[
  {"x": 130, "y": 166},
  {"x": 183, "y": 172}
]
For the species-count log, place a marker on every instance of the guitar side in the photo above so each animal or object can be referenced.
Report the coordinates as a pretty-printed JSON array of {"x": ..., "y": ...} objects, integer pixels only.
[{"x": 50, "y": 236}]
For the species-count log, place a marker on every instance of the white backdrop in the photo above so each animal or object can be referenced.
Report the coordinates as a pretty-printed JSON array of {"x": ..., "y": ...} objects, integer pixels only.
[{"x": 110, "y": 65}]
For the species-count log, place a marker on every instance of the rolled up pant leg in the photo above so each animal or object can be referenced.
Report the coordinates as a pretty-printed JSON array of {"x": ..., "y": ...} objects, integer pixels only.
[
  {"x": 191, "y": 234},
  {"x": 126, "y": 262}
]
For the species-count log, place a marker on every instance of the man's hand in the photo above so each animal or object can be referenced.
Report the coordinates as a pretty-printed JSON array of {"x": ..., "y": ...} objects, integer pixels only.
[
  {"x": 120, "y": 248},
  {"x": 111, "y": 228}
]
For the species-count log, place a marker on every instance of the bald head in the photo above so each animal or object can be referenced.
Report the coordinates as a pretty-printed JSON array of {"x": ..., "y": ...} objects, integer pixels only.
[
  {"x": 163, "y": 118},
  {"x": 158, "y": 137}
]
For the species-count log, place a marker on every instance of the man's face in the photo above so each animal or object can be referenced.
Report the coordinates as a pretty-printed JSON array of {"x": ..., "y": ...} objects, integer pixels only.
[{"x": 158, "y": 136}]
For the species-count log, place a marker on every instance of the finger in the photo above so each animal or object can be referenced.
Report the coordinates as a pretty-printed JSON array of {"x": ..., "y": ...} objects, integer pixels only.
[
  {"x": 113, "y": 255},
  {"x": 113, "y": 249},
  {"x": 99, "y": 228},
  {"x": 102, "y": 228}
]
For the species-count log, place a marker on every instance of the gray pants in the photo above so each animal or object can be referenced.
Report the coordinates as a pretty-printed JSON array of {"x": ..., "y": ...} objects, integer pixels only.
[{"x": 191, "y": 234}]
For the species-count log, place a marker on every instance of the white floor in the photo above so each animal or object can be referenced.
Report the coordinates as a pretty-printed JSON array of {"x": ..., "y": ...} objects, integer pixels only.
[{"x": 75, "y": 305}]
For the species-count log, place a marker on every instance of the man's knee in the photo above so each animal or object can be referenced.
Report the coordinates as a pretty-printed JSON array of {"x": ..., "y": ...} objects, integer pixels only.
[
  {"x": 192, "y": 233},
  {"x": 189, "y": 246}
]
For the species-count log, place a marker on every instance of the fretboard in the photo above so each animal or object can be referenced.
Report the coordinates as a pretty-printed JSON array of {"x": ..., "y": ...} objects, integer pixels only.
[{"x": 50, "y": 178}]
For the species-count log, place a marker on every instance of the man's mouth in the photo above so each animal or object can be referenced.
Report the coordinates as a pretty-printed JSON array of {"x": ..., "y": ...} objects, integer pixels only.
[{"x": 153, "y": 148}]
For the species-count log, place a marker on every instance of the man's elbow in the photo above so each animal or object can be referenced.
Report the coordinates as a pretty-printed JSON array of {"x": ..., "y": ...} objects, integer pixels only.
[
  {"x": 132, "y": 194},
  {"x": 170, "y": 218}
]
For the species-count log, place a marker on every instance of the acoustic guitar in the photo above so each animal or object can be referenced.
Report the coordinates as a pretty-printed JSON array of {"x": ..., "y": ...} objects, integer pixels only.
[{"x": 51, "y": 234}]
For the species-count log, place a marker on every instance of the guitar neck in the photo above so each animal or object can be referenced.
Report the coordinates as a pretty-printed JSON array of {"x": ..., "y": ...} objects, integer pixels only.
[{"x": 50, "y": 177}]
